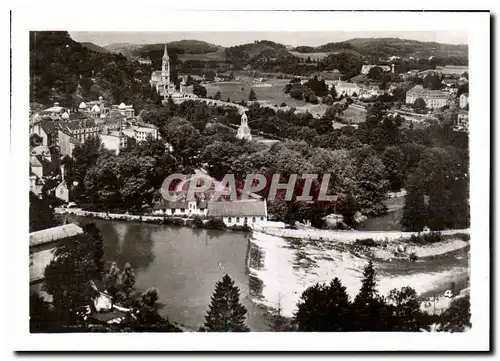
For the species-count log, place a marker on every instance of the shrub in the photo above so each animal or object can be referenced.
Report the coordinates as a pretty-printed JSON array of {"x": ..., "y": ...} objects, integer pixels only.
[
  {"x": 215, "y": 223},
  {"x": 368, "y": 242},
  {"x": 426, "y": 238},
  {"x": 283, "y": 104},
  {"x": 413, "y": 256},
  {"x": 197, "y": 222}
]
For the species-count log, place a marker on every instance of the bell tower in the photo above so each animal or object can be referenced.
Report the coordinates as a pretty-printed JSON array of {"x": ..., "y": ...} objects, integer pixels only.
[{"x": 165, "y": 70}]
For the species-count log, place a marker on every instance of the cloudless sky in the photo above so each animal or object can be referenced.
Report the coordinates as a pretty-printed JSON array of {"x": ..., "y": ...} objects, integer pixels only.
[{"x": 312, "y": 38}]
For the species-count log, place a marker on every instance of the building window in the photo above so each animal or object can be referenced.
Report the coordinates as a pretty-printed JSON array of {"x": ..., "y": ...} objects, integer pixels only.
[
  {"x": 237, "y": 219},
  {"x": 229, "y": 220},
  {"x": 253, "y": 219},
  {"x": 261, "y": 218},
  {"x": 182, "y": 210}
]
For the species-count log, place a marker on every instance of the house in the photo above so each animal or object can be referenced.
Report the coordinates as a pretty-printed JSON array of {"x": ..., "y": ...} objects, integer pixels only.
[
  {"x": 67, "y": 144},
  {"x": 36, "y": 185},
  {"x": 239, "y": 213},
  {"x": 36, "y": 167},
  {"x": 195, "y": 207},
  {"x": 346, "y": 88},
  {"x": 452, "y": 69},
  {"x": 80, "y": 129},
  {"x": 365, "y": 69},
  {"x": 141, "y": 133},
  {"x": 42, "y": 151},
  {"x": 114, "y": 140},
  {"x": 144, "y": 61},
  {"x": 464, "y": 100},
  {"x": 62, "y": 192},
  {"x": 126, "y": 110},
  {"x": 463, "y": 119},
  {"x": 46, "y": 129}
]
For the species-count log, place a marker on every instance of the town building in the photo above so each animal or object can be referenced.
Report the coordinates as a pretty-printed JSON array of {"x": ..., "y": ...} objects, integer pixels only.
[
  {"x": 452, "y": 69},
  {"x": 433, "y": 98},
  {"x": 463, "y": 119},
  {"x": 126, "y": 110},
  {"x": 140, "y": 133},
  {"x": 114, "y": 140},
  {"x": 144, "y": 61},
  {"x": 42, "y": 151},
  {"x": 464, "y": 100},
  {"x": 36, "y": 184},
  {"x": 62, "y": 192},
  {"x": 81, "y": 129},
  {"x": 346, "y": 88},
  {"x": 365, "y": 69},
  {"x": 36, "y": 167},
  {"x": 244, "y": 130},
  {"x": 45, "y": 129},
  {"x": 249, "y": 213}
]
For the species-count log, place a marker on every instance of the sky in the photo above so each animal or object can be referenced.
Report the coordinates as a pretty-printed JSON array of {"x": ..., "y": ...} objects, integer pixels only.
[{"x": 225, "y": 38}]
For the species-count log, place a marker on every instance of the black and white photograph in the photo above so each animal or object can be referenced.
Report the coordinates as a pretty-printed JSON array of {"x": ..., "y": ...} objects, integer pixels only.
[{"x": 257, "y": 182}]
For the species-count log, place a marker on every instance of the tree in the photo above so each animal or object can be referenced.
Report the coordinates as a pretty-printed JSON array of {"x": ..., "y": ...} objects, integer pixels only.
[
  {"x": 369, "y": 311},
  {"x": 347, "y": 208},
  {"x": 35, "y": 140},
  {"x": 324, "y": 308},
  {"x": 457, "y": 317},
  {"x": 432, "y": 81},
  {"x": 97, "y": 248},
  {"x": 199, "y": 90},
  {"x": 41, "y": 215},
  {"x": 128, "y": 280},
  {"x": 111, "y": 280},
  {"x": 67, "y": 276},
  {"x": 252, "y": 95},
  {"x": 375, "y": 73},
  {"x": 217, "y": 95},
  {"x": 406, "y": 309},
  {"x": 419, "y": 105},
  {"x": 394, "y": 161},
  {"x": 226, "y": 313}
]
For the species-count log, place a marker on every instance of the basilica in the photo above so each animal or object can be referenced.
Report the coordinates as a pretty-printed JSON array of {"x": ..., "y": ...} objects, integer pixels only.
[{"x": 160, "y": 79}]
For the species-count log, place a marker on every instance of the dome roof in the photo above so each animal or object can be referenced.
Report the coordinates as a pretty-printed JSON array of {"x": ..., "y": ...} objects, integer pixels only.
[
  {"x": 65, "y": 115},
  {"x": 122, "y": 106},
  {"x": 96, "y": 109},
  {"x": 82, "y": 105}
]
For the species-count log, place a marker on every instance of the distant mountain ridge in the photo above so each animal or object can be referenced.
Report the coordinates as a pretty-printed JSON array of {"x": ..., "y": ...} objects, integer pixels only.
[
  {"x": 386, "y": 47},
  {"x": 179, "y": 47}
]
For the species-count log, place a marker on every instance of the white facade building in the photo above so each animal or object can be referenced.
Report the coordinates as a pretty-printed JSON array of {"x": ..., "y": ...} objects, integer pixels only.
[{"x": 464, "y": 100}]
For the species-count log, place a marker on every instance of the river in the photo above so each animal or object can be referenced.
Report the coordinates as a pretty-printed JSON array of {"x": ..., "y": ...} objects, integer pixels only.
[{"x": 184, "y": 264}]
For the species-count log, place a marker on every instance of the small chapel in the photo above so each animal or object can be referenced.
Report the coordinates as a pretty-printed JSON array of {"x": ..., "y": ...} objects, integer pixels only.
[{"x": 243, "y": 129}]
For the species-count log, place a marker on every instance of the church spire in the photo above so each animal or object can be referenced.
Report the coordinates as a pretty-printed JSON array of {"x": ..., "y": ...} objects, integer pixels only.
[{"x": 165, "y": 53}]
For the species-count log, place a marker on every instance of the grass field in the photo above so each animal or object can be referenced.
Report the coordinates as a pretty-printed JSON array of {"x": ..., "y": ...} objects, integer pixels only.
[
  {"x": 271, "y": 91},
  {"x": 313, "y": 56},
  {"x": 218, "y": 55}
]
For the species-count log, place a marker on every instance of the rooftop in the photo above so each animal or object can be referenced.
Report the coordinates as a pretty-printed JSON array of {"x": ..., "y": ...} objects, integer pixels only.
[
  {"x": 54, "y": 234},
  {"x": 237, "y": 208}
]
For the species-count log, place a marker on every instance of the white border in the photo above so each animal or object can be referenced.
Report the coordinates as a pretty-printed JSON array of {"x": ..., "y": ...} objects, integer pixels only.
[{"x": 477, "y": 26}]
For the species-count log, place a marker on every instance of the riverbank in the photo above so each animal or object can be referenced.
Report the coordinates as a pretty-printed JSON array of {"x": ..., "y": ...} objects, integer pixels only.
[{"x": 292, "y": 260}]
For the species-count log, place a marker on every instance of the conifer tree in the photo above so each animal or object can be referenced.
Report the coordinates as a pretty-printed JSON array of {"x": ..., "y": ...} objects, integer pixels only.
[
  {"x": 128, "y": 279},
  {"x": 111, "y": 280},
  {"x": 369, "y": 311},
  {"x": 252, "y": 95},
  {"x": 226, "y": 313}
]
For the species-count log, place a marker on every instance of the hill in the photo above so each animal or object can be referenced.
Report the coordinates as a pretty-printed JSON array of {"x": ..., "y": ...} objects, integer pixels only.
[
  {"x": 68, "y": 72},
  {"x": 94, "y": 47},
  {"x": 386, "y": 47}
]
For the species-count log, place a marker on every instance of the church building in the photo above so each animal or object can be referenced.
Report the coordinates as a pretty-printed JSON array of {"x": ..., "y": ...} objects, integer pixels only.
[
  {"x": 243, "y": 129},
  {"x": 160, "y": 79}
]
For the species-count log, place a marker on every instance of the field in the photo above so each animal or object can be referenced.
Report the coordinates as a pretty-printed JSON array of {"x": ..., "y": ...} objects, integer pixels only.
[
  {"x": 218, "y": 55},
  {"x": 313, "y": 56},
  {"x": 271, "y": 91}
]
